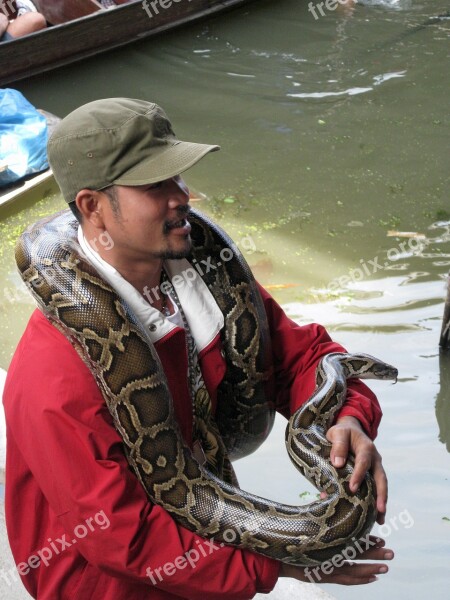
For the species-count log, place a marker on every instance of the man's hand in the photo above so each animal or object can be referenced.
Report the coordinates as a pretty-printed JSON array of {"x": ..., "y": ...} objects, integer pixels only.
[
  {"x": 348, "y": 436},
  {"x": 348, "y": 573}
]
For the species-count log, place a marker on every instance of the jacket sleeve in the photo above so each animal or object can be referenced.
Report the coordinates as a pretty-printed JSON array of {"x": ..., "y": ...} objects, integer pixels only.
[
  {"x": 297, "y": 350},
  {"x": 67, "y": 438}
]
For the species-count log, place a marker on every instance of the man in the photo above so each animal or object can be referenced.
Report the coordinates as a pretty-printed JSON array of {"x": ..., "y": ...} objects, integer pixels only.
[{"x": 118, "y": 164}]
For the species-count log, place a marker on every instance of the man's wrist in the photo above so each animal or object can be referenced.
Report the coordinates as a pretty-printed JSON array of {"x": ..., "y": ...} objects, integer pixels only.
[
  {"x": 350, "y": 420},
  {"x": 292, "y": 571}
]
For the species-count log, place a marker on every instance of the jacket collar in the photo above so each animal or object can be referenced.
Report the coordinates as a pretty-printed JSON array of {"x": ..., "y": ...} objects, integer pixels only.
[{"x": 202, "y": 313}]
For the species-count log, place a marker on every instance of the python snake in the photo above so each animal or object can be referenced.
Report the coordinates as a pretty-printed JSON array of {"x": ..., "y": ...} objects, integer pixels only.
[{"x": 127, "y": 369}]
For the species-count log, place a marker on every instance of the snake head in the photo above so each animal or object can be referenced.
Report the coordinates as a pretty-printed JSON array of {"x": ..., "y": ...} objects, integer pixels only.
[
  {"x": 384, "y": 371},
  {"x": 365, "y": 366}
]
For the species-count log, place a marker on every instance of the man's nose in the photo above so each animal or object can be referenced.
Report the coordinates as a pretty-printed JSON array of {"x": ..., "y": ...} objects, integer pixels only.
[{"x": 178, "y": 192}]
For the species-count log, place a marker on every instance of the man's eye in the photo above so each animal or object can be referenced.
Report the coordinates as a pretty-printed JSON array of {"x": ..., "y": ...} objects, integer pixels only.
[{"x": 156, "y": 186}]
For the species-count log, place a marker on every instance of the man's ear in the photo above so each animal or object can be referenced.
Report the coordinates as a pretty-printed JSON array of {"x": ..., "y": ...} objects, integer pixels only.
[{"x": 89, "y": 203}]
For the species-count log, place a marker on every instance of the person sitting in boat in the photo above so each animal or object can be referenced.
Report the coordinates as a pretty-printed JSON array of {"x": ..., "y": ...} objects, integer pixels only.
[
  {"x": 84, "y": 526},
  {"x": 24, "y": 20}
]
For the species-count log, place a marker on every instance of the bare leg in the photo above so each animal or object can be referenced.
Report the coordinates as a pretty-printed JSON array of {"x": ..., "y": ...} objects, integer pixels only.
[
  {"x": 4, "y": 23},
  {"x": 27, "y": 23}
]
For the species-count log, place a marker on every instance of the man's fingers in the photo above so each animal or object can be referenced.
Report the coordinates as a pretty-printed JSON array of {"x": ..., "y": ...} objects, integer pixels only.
[
  {"x": 340, "y": 443},
  {"x": 347, "y": 436},
  {"x": 346, "y": 580},
  {"x": 355, "y": 573},
  {"x": 363, "y": 462},
  {"x": 352, "y": 575},
  {"x": 375, "y": 553},
  {"x": 381, "y": 482},
  {"x": 377, "y": 542},
  {"x": 347, "y": 572},
  {"x": 381, "y": 517}
]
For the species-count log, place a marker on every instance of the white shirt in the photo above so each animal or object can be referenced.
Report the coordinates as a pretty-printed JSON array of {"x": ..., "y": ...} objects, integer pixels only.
[{"x": 202, "y": 313}]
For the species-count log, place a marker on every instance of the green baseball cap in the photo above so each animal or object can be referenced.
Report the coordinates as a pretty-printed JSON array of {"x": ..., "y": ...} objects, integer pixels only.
[{"x": 118, "y": 141}]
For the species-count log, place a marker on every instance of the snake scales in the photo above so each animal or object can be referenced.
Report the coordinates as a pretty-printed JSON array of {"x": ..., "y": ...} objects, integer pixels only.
[{"x": 127, "y": 369}]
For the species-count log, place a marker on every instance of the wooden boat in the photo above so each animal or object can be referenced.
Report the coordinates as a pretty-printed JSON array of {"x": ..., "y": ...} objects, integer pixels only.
[
  {"x": 82, "y": 28},
  {"x": 39, "y": 184}
]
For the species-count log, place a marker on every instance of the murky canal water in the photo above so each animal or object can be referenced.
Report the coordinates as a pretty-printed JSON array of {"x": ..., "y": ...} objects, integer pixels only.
[{"x": 333, "y": 175}]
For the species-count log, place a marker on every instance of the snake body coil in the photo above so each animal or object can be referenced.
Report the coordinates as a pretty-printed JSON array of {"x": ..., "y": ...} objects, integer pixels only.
[{"x": 127, "y": 369}]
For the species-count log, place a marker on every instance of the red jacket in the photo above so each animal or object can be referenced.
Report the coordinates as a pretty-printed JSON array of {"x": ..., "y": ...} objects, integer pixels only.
[{"x": 79, "y": 523}]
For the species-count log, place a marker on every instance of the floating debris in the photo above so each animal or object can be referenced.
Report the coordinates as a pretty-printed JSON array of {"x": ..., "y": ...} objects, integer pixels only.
[
  {"x": 407, "y": 234},
  {"x": 195, "y": 196},
  {"x": 280, "y": 286}
]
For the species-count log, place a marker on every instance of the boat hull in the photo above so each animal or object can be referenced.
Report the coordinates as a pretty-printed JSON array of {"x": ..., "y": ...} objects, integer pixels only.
[{"x": 92, "y": 34}]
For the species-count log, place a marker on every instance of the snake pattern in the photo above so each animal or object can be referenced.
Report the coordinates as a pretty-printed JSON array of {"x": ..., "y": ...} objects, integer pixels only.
[{"x": 127, "y": 369}]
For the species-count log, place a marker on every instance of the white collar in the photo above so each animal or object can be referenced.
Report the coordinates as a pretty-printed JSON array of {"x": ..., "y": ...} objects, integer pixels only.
[{"x": 202, "y": 313}]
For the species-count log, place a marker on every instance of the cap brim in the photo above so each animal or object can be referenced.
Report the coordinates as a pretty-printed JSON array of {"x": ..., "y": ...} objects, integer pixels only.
[{"x": 170, "y": 162}]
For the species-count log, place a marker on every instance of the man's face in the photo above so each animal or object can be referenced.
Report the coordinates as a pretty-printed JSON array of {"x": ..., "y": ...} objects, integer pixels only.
[{"x": 150, "y": 221}]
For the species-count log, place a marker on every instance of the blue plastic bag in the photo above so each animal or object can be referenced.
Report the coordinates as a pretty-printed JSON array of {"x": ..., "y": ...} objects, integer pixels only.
[{"x": 23, "y": 138}]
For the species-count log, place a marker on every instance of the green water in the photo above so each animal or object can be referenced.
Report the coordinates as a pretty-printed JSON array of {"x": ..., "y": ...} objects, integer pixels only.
[{"x": 334, "y": 135}]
